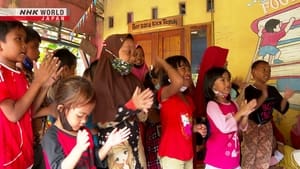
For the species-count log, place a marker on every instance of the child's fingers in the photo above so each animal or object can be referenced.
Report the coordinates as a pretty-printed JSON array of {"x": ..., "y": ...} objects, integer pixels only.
[
  {"x": 114, "y": 130},
  {"x": 125, "y": 133},
  {"x": 146, "y": 93},
  {"x": 136, "y": 91}
]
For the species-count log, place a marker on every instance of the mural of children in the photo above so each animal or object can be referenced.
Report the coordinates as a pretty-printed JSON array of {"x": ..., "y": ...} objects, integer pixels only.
[{"x": 270, "y": 33}]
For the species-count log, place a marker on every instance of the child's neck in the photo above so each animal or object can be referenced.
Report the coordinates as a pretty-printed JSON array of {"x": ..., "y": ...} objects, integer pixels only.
[
  {"x": 258, "y": 84},
  {"x": 59, "y": 125},
  {"x": 11, "y": 65},
  {"x": 220, "y": 99}
]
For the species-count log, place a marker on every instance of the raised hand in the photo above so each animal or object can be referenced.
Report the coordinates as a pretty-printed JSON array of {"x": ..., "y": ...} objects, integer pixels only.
[
  {"x": 118, "y": 136},
  {"x": 201, "y": 129},
  {"x": 288, "y": 93},
  {"x": 142, "y": 100},
  {"x": 247, "y": 108},
  {"x": 47, "y": 68}
]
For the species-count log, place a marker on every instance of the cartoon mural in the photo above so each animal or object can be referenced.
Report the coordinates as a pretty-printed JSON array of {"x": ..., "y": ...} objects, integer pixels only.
[{"x": 279, "y": 44}]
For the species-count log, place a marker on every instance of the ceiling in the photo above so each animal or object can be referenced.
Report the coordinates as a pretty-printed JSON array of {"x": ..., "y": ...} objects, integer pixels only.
[{"x": 76, "y": 9}]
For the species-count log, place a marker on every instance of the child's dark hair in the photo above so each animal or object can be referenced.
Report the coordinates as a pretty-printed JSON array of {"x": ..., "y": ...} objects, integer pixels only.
[
  {"x": 32, "y": 35},
  {"x": 254, "y": 64},
  {"x": 271, "y": 25},
  {"x": 175, "y": 61},
  {"x": 74, "y": 91},
  {"x": 6, "y": 26},
  {"x": 148, "y": 81},
  {"x": 209, "y": 79},
  {"x": 90, "y": 71},
  {"x": 129, "y": 36},
  {"x": 65, "y": 57}
]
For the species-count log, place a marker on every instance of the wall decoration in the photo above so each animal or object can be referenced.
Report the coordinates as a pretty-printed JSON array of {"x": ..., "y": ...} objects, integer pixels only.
[{"x": 279, "y": 44}]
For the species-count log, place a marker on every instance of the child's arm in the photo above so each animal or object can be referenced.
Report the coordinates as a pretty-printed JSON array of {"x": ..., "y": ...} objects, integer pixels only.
[
  {"x": 44, "y": 89},
  {"x": 201, "y": 129},
  {"x": 14, "y": 110},
  {"x": 288, "y": 93},
  {"x": 264, "y": 95},
  {"x": 45, "y": 111},
  {"x": 225, "y": 123},
  {"x": 176, "y": 80},
  {"x": 114, "y": 138},
  {"x": 81, "y": 146},
  {"x": 260, "y": 29},
  {"x": 289, "y": 25},
  {"x": 242, "y": 115}
]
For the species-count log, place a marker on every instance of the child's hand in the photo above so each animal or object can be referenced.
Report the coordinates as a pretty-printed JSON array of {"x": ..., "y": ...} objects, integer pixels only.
[
  {"x": 158, "y": 61},
  {"x": 118, "y": 136},
  {"x": 47, "y": 68},
  {"x": 292, "y": 19},
  {"x": 247, "y": 108},
  {"x": 201, "y": 129},
  {"x": 288, "y": 93},
  {"x": 53, "y": 78},
  {"x": 82, "y": 142},
  {"x": 142, "y": 100}
]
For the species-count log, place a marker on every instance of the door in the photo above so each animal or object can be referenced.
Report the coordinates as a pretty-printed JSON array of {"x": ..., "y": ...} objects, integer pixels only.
[{"x": 162, "y": 44}]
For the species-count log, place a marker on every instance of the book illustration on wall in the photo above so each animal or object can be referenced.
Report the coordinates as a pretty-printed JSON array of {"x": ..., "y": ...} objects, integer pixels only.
[{"x": 279, "y": 44}]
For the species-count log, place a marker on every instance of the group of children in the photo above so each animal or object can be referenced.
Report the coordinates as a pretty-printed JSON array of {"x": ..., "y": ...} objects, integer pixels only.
[{"x": 68, "y": 143}]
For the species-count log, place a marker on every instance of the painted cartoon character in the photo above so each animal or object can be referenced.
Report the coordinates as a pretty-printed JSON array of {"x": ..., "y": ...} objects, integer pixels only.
[
  {"x": 122, "y": 157},
  {"x": 186, "y": 123},
  {"x": 270, "y": 33}
]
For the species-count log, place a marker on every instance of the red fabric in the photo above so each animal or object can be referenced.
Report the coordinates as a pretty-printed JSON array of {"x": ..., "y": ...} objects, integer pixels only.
[
  {"x": 214, "y": 56},
  {"x": 130, "y": 105},
  {"x": 16, "y": 143},
  {"x": 295, "y": 139},
  {"x": 176, "y": 121},
  {"x": 140, "y": 72}
]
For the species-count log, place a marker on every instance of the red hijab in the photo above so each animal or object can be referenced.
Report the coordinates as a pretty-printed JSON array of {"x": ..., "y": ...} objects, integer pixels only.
[{"x": 213, "y": 56}]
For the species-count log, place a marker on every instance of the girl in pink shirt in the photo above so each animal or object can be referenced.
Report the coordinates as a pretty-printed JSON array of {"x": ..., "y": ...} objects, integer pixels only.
[{"x": 223, "y": 145}]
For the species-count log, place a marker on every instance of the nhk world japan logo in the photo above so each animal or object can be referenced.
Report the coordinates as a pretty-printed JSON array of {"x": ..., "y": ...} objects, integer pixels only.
[{"x": 34, "y": 14}]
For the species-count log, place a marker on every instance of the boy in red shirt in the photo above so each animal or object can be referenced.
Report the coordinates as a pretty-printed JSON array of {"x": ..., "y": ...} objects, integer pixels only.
[{"x": 16, "y": 98}]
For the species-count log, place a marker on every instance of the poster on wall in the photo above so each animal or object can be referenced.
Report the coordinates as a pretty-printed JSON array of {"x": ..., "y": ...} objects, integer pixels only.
[{"x": 279, "y": 44}]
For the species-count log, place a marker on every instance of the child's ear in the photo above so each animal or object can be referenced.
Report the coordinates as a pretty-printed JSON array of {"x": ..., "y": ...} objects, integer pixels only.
[
  {"x": 60, "y": 108},
  {"x": 1, "y": 45}
]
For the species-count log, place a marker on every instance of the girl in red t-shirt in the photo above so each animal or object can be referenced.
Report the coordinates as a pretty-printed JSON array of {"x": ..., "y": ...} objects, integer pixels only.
[{"x": 176, "y": 108}]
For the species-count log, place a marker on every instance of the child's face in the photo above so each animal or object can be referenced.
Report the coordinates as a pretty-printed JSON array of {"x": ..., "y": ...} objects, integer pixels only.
[
  {"x": 68, "y": 72},
  {"x": 77, "y": 117},
  {"x": 222, "y": 85},
  {"x": 185, "y": 71},
  {"x": 139, "y": 56},
  {"x": 32, "y": 50},
  {"x": 14, "y": 48},
  {"x": 262, "y": 72},
  {"x": 277, "y": 28}
]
